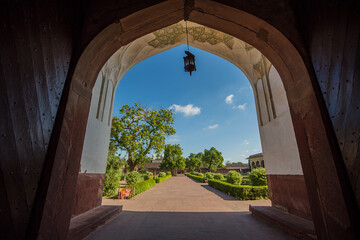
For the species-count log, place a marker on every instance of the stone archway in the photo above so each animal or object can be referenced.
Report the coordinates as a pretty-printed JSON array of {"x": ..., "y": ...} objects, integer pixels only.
[
  {"x": 319, "y": 161},
  {"x": 274, "y": 120}
]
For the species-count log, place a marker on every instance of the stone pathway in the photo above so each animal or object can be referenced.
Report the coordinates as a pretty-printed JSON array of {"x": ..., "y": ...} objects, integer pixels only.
[{"x": 181, "y": 208}]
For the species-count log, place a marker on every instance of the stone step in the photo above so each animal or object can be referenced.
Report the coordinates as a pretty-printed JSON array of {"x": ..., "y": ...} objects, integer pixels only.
[
  {"x": 296, "y": 226},
  {"x": 83, "y": 224}
]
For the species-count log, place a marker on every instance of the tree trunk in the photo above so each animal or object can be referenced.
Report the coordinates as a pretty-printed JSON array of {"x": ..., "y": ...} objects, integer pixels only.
[{"x": 132, "y": 165}]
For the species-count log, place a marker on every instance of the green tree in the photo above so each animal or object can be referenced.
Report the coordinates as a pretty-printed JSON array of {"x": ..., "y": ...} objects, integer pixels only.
[
  {"x": 200, "y": 155},
  {"x": 173, "y": 158},
  {"x": 193, "y": 161},
  {"x": 140, "y": 130},
  {"x": 212, "y": 159},
  {"x": 113, "y": 171}
]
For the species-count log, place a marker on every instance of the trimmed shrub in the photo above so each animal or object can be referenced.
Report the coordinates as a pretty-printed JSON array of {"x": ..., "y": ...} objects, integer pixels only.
[
  {"x": 219, "y": 176},
  {"x": 197, "y": 174},
  {"x": 141, "y": 186},
  {"x": 245, "y": 181},
  {"x": 233, "y": 177},
  {"x": 209, "y": 175},
  {"x": 241, "y": 192},
  {"x": 132, "y": 177},
  {"x": 143, "y": 171},
  {"x": 161, "y": 179},
  {"x": 111, "y": 182},
  {"x": 168, "y": 173},
  {"x": 258, "y": 177},
  {"x": 162, "y": 174},
  {"x": 149, "y": 175},
  {"x": 195, "y": 177}
]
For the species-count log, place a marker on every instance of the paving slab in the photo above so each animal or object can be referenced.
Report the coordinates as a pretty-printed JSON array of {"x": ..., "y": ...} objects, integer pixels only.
[
  {"x": 181, "y": 208},
  {"x": 85, "y": 223},
  {"x": 289, "y": 223}
]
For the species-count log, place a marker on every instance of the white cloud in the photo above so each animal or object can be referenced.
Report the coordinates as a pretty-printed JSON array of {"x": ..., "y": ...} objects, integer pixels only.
[
  {"x": 229, "y": 99},
  {"x": 213, "y": 126},
  {"x": 227, "y": 159},
  {"x": 241, "y": 106},
  {"x": 173, "y": 139},
  {"x": 242, "y": 155},
  {"x": 245, "y": 88},
  {"x": 246, "y": 151},
  {"x": 246, "y": 142},
  {"x": 188, "y": 110}
]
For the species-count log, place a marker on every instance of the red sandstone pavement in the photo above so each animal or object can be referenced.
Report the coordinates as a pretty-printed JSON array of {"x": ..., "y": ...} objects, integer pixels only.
[{"x": 181, "y": 208}]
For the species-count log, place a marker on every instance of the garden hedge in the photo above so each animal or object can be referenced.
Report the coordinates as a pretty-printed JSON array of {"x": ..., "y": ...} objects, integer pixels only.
[
  {"x": 141, "y": 186},
  {"x": 161, "y": 179},
  {"x": 240, "y": 191},
  {"x": 197, "y": 178},
  {"x": 245, "y": 181},
  {"x": 209, "y": 175},
  {"x": 162, "y": 174}
]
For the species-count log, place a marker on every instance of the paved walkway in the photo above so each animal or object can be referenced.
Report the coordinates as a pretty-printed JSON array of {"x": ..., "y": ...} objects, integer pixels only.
[{"x": 181, "y": 208}]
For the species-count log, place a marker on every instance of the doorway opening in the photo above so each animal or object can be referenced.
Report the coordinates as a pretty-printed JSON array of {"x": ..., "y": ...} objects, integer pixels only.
[{"x": 280, "y": 150}]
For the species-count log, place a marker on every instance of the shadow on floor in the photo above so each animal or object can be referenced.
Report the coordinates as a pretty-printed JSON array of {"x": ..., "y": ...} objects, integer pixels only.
[{"x": 187, "y": 225}]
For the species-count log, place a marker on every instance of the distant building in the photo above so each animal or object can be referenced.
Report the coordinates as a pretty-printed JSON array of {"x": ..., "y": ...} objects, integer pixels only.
[
  {"x": 239, "y": 167},
  {"x": 256, "y": 161},
  {"x": 154, "y": 166},
  {"x": 157, "y": 160}
]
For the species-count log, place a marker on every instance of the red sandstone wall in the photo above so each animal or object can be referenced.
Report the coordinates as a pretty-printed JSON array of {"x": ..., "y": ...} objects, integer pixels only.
[
  {"x": 37, "y": 43},
  {"x": 289, "y": 193},
  {"x": 332, "y": 32},
  {"x": 37, "y": 49},
  {"x": 89, "y": 191}
]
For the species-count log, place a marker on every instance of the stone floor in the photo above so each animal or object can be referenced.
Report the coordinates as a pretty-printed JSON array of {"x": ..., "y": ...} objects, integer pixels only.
[{"x": 181, "y": 208}]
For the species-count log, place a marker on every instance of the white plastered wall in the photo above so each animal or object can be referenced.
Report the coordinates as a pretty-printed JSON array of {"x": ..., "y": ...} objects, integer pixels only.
[
  {"x": 276, "y": 130},
  {"x": 281, "y": 154},
  {"x": 97, "y": 136}
]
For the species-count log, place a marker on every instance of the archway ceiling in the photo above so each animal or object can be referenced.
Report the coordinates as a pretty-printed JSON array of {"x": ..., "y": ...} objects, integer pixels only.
[{"x": 234, "y": 50}]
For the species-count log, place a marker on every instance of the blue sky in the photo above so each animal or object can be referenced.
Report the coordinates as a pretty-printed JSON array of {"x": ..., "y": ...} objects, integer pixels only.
[{"x": 214, "y": 107}]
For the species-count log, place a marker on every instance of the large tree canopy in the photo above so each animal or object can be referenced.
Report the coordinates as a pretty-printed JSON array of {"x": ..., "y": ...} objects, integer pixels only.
[
  {"x": 173, "y": 158},
  {"x": 194, "y": 161},
  {"x": 140, "y": 130},
  {"x": 212, "y": 159}
]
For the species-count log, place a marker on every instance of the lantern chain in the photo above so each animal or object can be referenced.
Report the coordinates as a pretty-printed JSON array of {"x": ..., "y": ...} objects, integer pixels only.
[{"x": 187, "y": 36}]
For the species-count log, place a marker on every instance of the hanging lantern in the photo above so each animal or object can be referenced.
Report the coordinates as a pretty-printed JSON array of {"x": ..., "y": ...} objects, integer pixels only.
[{"x": 189, "y": 60}]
